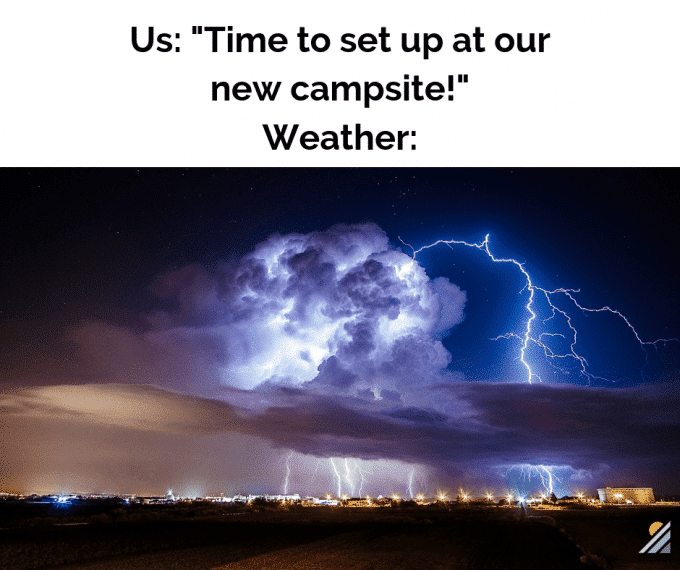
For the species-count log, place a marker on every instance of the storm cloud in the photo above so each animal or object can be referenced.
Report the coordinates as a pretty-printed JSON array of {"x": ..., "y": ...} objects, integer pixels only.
[{"x": 340, "y": 311}]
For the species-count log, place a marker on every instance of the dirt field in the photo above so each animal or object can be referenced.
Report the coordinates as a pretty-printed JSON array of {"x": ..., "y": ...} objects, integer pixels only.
[
  {"x": 618, "y": 534},
  {"x": 325, "y": 539}
]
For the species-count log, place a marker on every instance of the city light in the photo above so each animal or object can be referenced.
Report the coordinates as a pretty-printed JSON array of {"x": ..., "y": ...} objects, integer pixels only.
[{"x": 346, "y": 499}]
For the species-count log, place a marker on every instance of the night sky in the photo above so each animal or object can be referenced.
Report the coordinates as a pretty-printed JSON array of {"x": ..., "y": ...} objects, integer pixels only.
[{"x": 266, "y": 330}]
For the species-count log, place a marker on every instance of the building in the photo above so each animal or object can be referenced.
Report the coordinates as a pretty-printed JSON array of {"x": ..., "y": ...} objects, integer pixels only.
[
  {"x": 357, "y": 502},
  {"x": 629, "y": 495},
  {"x": 327, "y": 502},
  {"x": 294, "y": 498},
  {"x": 220, "y": 499}
]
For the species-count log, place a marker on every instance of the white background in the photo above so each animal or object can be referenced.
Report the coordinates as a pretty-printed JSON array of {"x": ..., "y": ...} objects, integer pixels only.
[{"x": 75, "y": 93}]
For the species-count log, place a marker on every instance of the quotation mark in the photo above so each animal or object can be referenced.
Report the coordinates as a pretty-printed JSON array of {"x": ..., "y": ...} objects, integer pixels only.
[
  {"x": 196, "y": 29},
  {"x": 462, "y": 78}
]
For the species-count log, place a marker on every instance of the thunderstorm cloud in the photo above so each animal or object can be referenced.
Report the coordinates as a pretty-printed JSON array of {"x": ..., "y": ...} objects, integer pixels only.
[{"x": 339, "y": 311}]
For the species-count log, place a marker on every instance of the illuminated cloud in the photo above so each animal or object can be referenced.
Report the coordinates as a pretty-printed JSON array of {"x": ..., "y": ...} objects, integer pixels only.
[
  {"x": 142, "y": 408},
  {"x": 340, "y": 310}
]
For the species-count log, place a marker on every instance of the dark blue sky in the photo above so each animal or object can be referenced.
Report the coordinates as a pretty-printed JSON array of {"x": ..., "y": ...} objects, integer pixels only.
[
  {"x": 95, "y": 239},
  {"x": 87, "y": 246}
]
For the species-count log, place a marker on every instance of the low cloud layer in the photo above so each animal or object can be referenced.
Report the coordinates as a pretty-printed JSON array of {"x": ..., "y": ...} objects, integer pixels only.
[{"x": 590, "y": 436}]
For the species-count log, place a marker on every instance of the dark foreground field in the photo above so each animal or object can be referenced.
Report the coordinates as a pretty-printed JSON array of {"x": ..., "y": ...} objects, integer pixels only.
[{"x": 324, "y": 538}]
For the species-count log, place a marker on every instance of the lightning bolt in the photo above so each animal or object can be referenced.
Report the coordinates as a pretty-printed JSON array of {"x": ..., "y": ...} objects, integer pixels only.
[
  {"x": 311, "y": 480},
  {"x": 544, "y": 472},
  {"x": 549, "y": 475},
  {"x": 362, "y": 472},
  {"x": 337, "y": 475},
  {"x": 410, "y": 481},
  {"x": 348, "y": 477},
  {"x": 285, "y": 483},
  {"x": 527, "y": 338}
]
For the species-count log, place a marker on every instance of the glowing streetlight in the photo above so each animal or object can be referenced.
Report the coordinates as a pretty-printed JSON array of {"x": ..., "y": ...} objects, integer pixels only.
[
  {"x": 489, "y": 497},
  {"x": 619, "y": 496},
  {"x": 328, "y": 497},
  {"x": 442, "y": 497}
]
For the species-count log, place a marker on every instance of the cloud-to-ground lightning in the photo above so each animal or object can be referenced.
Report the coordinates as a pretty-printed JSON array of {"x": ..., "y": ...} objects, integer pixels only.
[
  {"x": 354, "y": 475},
  {"x": 337, "y": 475},
  {"x": 348, "y": 477},
  {"x": 316, "y": 469},
  {"x": 410, "y": 481},
  {"x": 526, "y": 338},
  {"x": 362, "y": 474},
  {"x": 361, "y": 485},
  {"x": 285, "y": 483}
]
